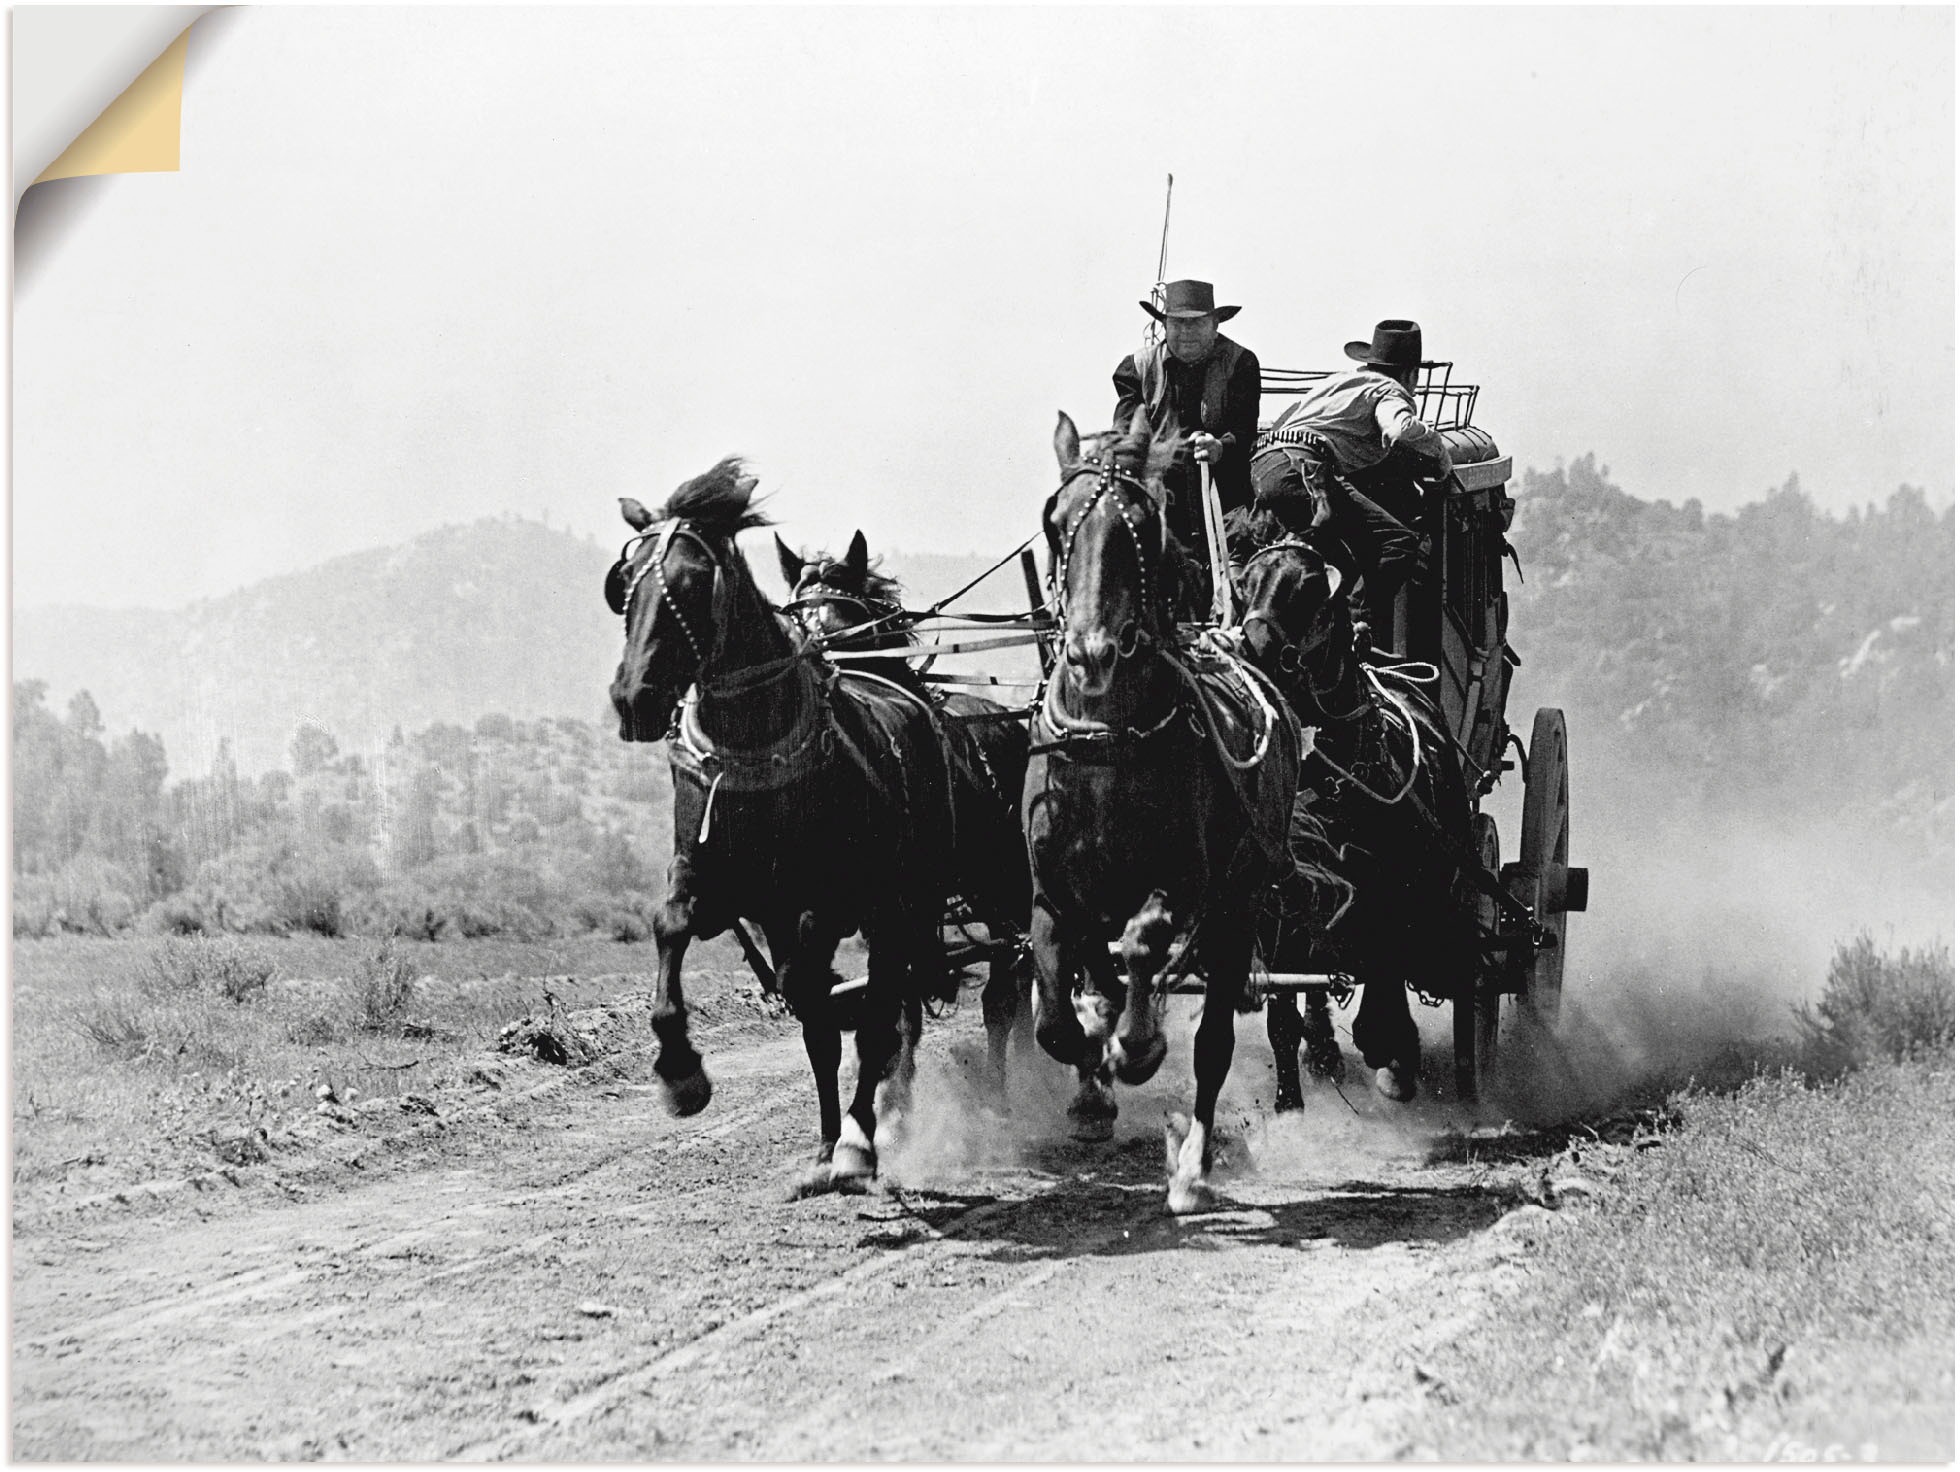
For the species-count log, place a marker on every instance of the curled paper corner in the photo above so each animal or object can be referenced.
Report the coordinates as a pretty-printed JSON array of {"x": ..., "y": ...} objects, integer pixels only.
[{"x": 140, "y": 132}]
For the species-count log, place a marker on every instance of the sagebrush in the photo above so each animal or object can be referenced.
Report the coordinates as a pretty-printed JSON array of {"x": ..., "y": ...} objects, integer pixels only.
[{"x": 1879, "y": 1007}]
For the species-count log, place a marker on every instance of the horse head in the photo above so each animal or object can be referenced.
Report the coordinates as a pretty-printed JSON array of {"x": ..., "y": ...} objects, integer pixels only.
[
  {"x": 1112, "y": 557},
  {"x": 676, "y": 585},
  {"x": 843, "y": 601},
  {"x": 1298, "y": 627}
]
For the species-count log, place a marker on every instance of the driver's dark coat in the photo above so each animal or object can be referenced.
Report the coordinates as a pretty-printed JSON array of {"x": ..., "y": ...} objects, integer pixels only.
[{"x": 1220, "y": 396}]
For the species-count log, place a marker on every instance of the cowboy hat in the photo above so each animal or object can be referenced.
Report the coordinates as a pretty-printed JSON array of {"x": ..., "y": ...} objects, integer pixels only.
[
  {"x": 1189, "y": 299},
  {"x": 1397, "y": 344}
]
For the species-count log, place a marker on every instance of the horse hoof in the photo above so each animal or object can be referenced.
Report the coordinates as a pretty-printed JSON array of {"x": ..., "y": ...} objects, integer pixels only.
[
  {"x": 1092, "y": 1117},
  {"x": 1141, "y": 1066},
  {"x": 687, "y": 1096},
  {"x": 1187, "y": 1198},
  {"x": 1092, "y": 1129},
  {"x": 852, "y": 1170},
  {"x": 1397, "y": 1081},
  {"x": 814, "y": 1180},
  {"x": 1324, "y": 1064}
]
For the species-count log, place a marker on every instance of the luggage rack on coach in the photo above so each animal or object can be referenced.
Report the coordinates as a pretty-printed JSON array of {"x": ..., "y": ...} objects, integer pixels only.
[{"x": 1442, "y": 404}]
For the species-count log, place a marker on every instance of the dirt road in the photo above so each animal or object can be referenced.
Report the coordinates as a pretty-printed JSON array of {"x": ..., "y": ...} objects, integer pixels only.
[{"x": 578, "y": 1276}]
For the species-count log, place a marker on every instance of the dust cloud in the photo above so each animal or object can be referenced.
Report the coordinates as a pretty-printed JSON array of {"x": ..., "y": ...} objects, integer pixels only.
[
  {"x": 1709, "y": 923},
  {"x": 955, "y": 1129}
]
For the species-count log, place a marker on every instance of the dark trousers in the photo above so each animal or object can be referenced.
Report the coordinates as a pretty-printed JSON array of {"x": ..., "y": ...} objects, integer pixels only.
[{"x": 1304, "y": 489}]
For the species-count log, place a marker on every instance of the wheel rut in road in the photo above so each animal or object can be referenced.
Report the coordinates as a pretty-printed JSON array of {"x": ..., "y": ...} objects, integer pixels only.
[{"x": 615, "y": 1283}]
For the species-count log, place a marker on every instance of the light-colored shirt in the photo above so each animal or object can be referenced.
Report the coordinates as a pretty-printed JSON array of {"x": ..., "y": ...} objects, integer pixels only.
[{"x": 1362, "y": 416}]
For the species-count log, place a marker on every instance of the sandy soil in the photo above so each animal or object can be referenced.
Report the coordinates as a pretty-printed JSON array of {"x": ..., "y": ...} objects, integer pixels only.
[{"x": 571, "y": 1274}]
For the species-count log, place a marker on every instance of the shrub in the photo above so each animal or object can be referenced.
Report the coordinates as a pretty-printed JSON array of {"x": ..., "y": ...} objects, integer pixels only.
[
  {"x": 383, "y": 988},
  {"x": 87, "y": 895},
  {"x": 116, "y": 1024},
  {"x": 219, "y": 966},
  {"x": 177, "y": 915},
  {"x": 277, "y": 886},
  {"x": 314, "y": 1028},
  {"x": 1877, "y": 1006}
]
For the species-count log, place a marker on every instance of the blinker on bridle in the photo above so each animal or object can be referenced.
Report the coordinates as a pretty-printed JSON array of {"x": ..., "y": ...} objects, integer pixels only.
[
  {"x": 655, "y": 565},
  {"x": 1109, "y": 478}
]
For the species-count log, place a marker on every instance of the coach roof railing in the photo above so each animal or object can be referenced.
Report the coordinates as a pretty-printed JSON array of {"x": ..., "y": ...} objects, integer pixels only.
[{"x": 1443, "y": 405}]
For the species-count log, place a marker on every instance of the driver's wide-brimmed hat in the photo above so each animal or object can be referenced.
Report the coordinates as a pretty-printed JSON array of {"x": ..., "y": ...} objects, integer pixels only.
[
  {"x": 1189, "y": 299},
  {"x": 1397, "y": 344}
]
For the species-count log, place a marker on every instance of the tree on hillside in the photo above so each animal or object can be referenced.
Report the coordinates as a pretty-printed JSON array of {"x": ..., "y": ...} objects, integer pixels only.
[
  {"x": 311, "y": 748},
  {"x": 1779, "y": 655}
]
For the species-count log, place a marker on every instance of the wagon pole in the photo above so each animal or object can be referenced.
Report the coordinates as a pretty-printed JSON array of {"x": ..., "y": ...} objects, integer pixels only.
[{"x": 1153, "y": 333}]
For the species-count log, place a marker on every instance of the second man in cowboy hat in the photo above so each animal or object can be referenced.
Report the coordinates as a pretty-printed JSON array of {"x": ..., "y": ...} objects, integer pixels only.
[
  {"x": 1203, "y": 384},
  {"x": 1363, "y": 456}
]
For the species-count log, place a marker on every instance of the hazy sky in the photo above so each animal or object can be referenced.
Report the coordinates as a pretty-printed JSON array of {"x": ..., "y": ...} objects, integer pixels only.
[{"x": 423, "y": 265}]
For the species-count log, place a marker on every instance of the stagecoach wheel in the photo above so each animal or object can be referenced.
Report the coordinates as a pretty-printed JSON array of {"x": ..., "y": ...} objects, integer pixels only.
[
  {"x": 1475, "y": 1011},
  {"x": 1541, "y": 878}
]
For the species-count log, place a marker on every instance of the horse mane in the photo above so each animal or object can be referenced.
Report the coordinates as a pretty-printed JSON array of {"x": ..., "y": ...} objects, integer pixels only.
[
  {"x": 1137, "y": 452},
  {"x": 718, "y": 500},
  {"x": 1250, "y": 528}
]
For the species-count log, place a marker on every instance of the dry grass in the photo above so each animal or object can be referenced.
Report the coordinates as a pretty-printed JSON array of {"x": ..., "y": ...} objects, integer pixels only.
[
  {"x": 1778, "y": 1278},
  {"x": 132, "y": 1057}
]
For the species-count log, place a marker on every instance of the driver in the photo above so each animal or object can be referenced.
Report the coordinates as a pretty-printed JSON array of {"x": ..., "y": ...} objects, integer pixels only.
[{"x": 1204, "y": 385}]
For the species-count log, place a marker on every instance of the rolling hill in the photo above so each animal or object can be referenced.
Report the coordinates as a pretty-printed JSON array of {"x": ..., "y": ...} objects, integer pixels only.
[{"x": 497, "y": 615}]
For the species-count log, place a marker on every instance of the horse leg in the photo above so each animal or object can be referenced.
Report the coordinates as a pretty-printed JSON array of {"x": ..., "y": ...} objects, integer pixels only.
[
  {"x": 1322, "y": 1048},
  {"x": 1227, "y": 958},
  {"x": 1283, "y": 1032},
  {"x": 1387, "y": 1037},
  {"x": 1137, "y": 1049},
  {"x": 894, "y": 1096},
  {"x": 803, "y": 978},
  {"x": 894, "y": 956},
  {"x": 1092, "y": 1112},
  {"x": 1058, "y": 1024},
  {"x": 1001, "y": 1006},
  {"x": 683, "y": 1082}
]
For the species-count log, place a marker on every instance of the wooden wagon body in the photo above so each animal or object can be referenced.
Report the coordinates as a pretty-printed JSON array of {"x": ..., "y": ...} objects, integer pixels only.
[{"x": 1458, "y": 620}]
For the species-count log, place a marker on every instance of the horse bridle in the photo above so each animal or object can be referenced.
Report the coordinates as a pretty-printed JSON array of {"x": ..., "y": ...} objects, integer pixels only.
[
  {"x": 880, "y": 614},
  {"x": 1292, "y": 657},
  {"x": 1133, "y": 636},
  {"x": 664, "y": 534}
]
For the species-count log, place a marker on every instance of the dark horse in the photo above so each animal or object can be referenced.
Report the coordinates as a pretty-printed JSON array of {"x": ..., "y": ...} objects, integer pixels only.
[
  {"x": 1383, "y": 778},
  {"x": 777, "y": 757},
  {"x": 849, "y": 607},
  {"x": 1157, "y": 801}
]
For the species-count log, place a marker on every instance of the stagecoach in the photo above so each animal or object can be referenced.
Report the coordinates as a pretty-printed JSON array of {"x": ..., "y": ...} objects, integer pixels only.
[
  {"x": 1455, "y": 622},
  {"x": 1458, "y": 622}
]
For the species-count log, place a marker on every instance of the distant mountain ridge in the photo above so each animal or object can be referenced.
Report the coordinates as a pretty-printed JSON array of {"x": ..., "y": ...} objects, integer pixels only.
[
  {"x": 1780, "y": 655},
  {"x": 496, "y": 615}
]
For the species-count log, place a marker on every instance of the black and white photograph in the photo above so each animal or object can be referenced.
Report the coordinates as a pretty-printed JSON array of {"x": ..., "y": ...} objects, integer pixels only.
[{"x": 919, "y": 733}]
